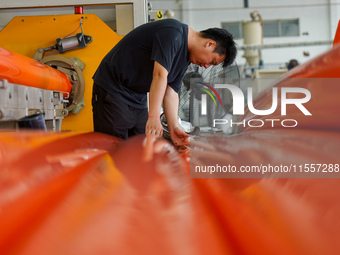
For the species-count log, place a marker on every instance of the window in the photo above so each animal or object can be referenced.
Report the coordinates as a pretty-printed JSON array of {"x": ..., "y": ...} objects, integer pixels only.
[
  {"x": 290, "y": 27},
  {"x": 271, "y": 28},
  {"x": 281, "y": 28},
  {"x": 235, "y": 28}
]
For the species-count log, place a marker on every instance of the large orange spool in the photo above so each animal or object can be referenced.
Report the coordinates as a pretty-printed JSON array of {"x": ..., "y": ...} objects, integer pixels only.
[{"x": 19, "y": 69}]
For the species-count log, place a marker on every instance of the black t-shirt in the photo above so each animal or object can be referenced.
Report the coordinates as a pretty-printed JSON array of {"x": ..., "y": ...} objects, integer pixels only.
[{"x": 126, "y": 71}]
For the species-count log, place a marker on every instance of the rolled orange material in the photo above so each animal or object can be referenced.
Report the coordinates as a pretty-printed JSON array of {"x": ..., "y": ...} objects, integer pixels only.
[{"x": 22, "y": 70}]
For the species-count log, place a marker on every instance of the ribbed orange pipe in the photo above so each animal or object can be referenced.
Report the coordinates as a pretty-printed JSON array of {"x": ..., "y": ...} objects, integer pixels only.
[{"x": 22, "y": 70}]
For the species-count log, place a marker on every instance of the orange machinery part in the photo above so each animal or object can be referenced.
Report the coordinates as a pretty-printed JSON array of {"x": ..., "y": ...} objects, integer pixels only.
[
  {"x": 19, "y": 69},
  {"x": 337, "y": 35}
]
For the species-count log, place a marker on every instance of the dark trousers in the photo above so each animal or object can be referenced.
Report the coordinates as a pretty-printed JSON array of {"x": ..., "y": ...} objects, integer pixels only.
[{"x": 114, "y": 117}]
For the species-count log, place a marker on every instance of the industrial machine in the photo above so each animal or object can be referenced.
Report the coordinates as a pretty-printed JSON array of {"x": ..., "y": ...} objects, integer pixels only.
[
  {"x": 253, "y": 36},
  {"x": 65, "y": 49},
  {"x": 81, "y": 192}
]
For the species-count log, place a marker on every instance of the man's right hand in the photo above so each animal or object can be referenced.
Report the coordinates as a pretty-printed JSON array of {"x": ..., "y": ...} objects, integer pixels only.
[
  {"x": 154, "y": 126},
  {"x": 156, "y": 96}
]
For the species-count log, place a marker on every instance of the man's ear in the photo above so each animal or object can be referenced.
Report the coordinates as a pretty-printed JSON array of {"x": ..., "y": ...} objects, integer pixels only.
[{"x": 210, "y": 43}]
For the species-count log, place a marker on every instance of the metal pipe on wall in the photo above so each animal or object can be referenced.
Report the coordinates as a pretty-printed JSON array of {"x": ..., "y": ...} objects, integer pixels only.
[{"x": 282, "y": 45}]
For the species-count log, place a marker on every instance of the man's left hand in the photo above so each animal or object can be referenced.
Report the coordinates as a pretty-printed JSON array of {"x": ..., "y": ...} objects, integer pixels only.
[{"x": 179, "y": 137}]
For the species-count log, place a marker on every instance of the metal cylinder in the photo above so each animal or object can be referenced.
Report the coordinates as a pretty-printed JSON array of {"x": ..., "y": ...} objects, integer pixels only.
[
  {"x": 252, "y": 34},
  {"x": 19, "y": 69},
  {"x": 68, "y": 43}
]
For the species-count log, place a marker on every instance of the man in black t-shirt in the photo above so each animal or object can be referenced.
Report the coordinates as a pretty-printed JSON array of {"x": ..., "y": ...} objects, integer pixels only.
[{"x": 152, "y": 58}]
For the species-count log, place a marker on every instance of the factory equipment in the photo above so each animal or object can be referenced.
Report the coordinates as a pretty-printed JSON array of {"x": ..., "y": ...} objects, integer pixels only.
[
  {"x": 56, "y": 74},
  {"x": 50, "y": 40},
  {"x": 253, "y": 36},
  {"x": 73, "y": 42},
  {"x": 197, "y": 83},
  {"x": 40, "y": 90},
  {"x": 90, "y": 193},
  {"x": 218, "y": 101},
  {"x": 73, "y": 68}
]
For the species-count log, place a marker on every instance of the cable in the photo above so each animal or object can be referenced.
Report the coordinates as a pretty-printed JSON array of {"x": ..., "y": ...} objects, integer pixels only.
[{"x": 80, "y": 26}]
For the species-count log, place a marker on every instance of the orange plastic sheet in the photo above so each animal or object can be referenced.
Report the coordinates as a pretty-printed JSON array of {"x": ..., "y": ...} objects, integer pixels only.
[
  {"x": 19, "y": 69},
  {"x": 93, "y": 194},
  {"x": 280, "y": 213}
]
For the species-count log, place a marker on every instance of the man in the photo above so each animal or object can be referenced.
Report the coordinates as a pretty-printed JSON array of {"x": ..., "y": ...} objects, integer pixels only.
[{"x": 152, "y": 58}]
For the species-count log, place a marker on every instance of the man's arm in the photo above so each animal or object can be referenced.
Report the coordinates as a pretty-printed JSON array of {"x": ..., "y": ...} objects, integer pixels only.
[
  {"x": 170, "y": 106},
  {"x": 156, "y": 95}
]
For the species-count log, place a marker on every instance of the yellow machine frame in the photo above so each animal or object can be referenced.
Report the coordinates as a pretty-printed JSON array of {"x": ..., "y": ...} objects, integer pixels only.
[{"x": 25, "y": 35}]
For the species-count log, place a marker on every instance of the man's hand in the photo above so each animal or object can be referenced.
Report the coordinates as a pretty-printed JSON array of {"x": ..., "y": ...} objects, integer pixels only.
[
  {"x": 154, "y": 127},
  {"x": 157, "y": 91},
  {"x": 179, "y": 137}
]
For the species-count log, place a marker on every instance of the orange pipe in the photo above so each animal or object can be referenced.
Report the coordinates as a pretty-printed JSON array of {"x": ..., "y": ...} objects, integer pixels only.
[{"x": 22, "y": 70}]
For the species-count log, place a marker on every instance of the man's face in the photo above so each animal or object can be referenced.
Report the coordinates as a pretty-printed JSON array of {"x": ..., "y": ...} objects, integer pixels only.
[{"x": 205, "y": 56}]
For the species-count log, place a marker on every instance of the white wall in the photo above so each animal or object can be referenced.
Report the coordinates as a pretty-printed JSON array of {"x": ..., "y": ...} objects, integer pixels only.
[
  {"x": 105, "y": 10},
  {"x": 317, "y": 17},
  {"x": 106, "y": 13}
]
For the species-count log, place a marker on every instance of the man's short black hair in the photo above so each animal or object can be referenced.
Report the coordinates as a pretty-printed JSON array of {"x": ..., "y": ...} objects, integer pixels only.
[{"x": 225, "y": 43}]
